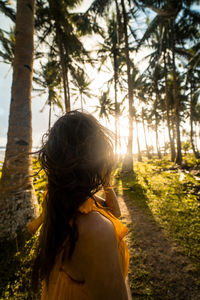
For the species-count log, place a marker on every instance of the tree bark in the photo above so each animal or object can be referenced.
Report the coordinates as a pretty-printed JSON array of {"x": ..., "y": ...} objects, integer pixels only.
[
  {"x": 196, "y": 154},
  {"x": 128, "y": 161},
  {"x": 176, "y": 98},
  {"x": 50, "y": 110},
  {"x": 157, "y": 140},
  {"x": 138, "y": 142},
  {"x": 81, "y": 102},
  {"x": 172, "y": 148},
  {"x": 64, "y": 71},
  {"x": 116, "y": 103},
  {"x": 68, "y": 90},
  {"x": 115, "y": 53},
  {"x": 145, "y": 138},
  {"x": 17, "y": 198}
]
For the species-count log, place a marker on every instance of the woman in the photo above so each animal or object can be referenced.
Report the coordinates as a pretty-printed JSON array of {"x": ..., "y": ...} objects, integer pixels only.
[{"x": 81, "y": 252}]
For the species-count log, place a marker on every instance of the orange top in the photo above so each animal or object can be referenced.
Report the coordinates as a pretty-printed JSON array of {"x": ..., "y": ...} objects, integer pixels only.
[{"x": 61, "y": 286}]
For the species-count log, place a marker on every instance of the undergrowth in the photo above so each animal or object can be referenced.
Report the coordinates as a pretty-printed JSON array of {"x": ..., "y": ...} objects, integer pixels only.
[
  {"x": 164, "y": 192},
  {"x": 16, "y": 256}
]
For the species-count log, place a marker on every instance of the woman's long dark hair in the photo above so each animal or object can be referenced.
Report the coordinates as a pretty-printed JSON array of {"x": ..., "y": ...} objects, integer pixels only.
[{"x": 77, "y": 157}]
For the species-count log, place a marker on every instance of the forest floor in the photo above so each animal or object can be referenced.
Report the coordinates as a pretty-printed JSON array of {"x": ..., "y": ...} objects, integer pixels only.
[
  {"x": 164, "y": 257},
  {"x": 160, "y": 206}
]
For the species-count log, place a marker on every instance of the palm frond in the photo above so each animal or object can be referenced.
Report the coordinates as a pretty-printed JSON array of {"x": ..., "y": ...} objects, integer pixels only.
[
  {"x": 151, "y": 29},
  {"x": 7, "y": 10},
  {"x": 98, "y": 7}
]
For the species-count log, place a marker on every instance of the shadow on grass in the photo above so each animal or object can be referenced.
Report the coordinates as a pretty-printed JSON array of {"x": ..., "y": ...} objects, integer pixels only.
[
  {"x": 158, "y": 270},
  {"x": 131, "y": 187}
]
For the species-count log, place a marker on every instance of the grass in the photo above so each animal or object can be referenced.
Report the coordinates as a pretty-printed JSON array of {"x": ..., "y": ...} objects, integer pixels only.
[
  {"x": 158, "y": 189},
  {"x": 172, "y": 203},
  {"x": 167, "y": 195}
]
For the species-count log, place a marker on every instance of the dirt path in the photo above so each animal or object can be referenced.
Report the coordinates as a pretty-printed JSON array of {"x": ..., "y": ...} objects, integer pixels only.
[{"x": 158, "y": 270}]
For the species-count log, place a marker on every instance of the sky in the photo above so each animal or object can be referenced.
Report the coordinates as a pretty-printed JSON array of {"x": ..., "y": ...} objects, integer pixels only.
[{"x": 40, "y": 119}]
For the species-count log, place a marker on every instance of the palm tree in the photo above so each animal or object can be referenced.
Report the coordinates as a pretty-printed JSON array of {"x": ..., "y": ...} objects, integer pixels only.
[
  {"x": 110, "y": 50},
  {"x": 136, "y": 118},
  {"x": 128, "y": 161},
  {"x": 49, "y": 78},
  {"x": 105, "y": 107},
  {"x": 99, "y": 7},
  {"x": 138, "y": 83},
  {"x": 193, "y": 82},
  {"x": 56, "y": 24},
  {"x": 154, "y": 91},
  {"x": 81, "y": 86},
  {"x": 178, "y": 18},
  {"x": 7, "y": 40},
  {"x": 145, "y": 117},
  {"x": 18, "y": 203}
]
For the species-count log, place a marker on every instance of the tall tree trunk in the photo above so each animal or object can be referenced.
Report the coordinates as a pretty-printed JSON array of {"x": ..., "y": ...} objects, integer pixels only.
[
  {"x": 128, "y": 161},
  {"x": 68, "y": 90},
  {"x": 156, "y": 121},
  {"x": 145, "y": 138},
  {"x": 81, "y": 102},
  {"x": 176, "y": 98},
  {"x": 17, "y": 198},
  {"x": 116, "y": 103},
  {"x": 64, "y": 71},
  {"x": 118, "y": 30},
  {"x": 196, "y": 154},
  {"x": 173, "y": 129},
  {"x": 138, "y": 142},
  {"x": 120, "y": 144},
  {"x": 151, "y": 142},
  {"x": 171, "y": 141},
  {"x": 50, "y": 110},
  {"x": 157, "y": 139},
  {"x": 197, "y": 135}
]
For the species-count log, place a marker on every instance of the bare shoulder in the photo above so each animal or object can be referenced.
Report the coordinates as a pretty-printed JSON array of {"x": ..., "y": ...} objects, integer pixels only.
[
  {"x": 97, "y": 258},
  {"x": 97, "y": 238},
  {"x": 95, "y": 225}
]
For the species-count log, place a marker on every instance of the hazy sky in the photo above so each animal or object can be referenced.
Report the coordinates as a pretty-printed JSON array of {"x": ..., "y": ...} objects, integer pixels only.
[{"x": 40, "y": 120}]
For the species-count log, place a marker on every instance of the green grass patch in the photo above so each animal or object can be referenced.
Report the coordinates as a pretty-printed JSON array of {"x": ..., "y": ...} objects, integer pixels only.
[{"x": 168, "y": 195}]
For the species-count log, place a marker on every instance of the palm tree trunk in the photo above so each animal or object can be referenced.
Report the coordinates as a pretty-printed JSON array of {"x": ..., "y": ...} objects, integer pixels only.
[
  {"x": 68, "y": 90},
  {"x": 145, "y": 138},
  {"x": 64, "y": 71},
  {"x": 116, "y": 104},
  {"x": 138, "y": 142},
  {"x": 128, "y": 161},
  {"x": 17, "y": 198},
  {"x": 171, "y": 141},
  {"x": 50, "y": 110},
  {"x": 173, "y": 129},
  {"x": 151, "y": 142},
  {"x": 118, "y": 35},
  {"x": 157, "y": 140},
  {"x": 196, "y": 154},
  {"x": 176, "y": 98},
  {"x": 81, "y": 102},
  {"x": 197, "y": 135}
]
